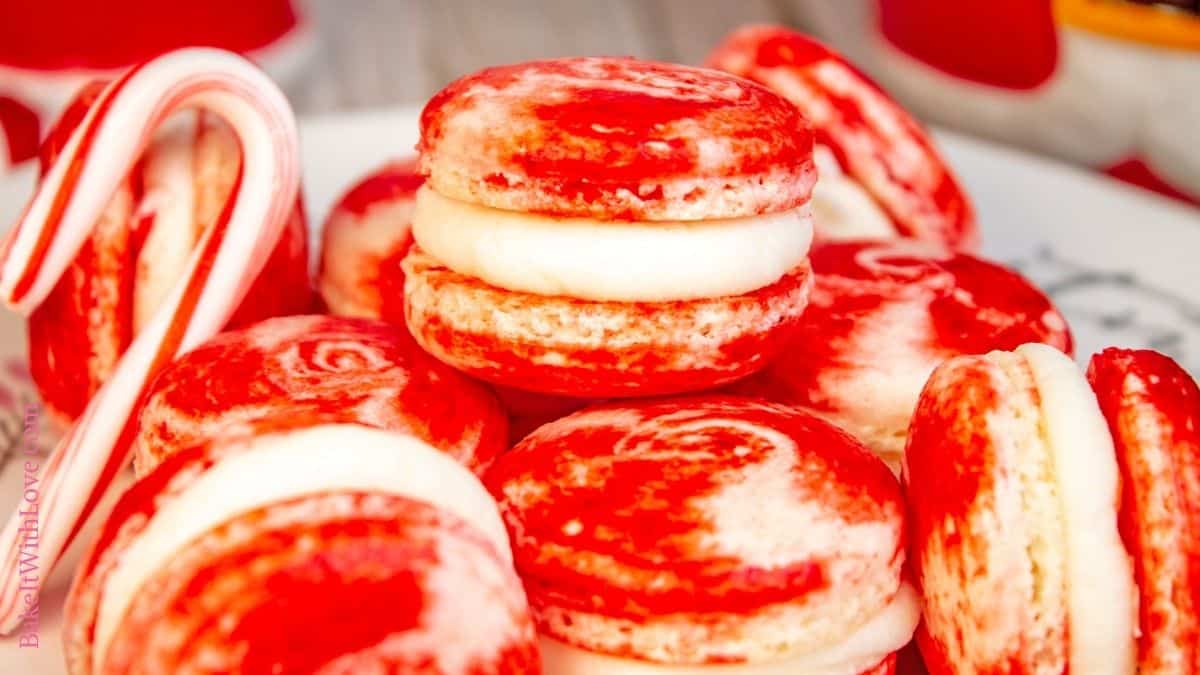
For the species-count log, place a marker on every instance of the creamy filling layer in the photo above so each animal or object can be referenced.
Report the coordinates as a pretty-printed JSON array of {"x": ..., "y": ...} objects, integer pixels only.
[
  {"x": 611, "y": 260},
  {"x": 863, "y": 649},
  {"x": 842, "y": 207},
  {"x": 280, "y": 467},
  {"x": 1100, "y": 589}
]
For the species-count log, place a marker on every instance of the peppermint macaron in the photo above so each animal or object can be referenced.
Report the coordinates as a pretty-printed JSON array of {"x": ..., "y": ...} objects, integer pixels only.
[
  {"x": 334, "y": 549},
  {"x": 681, "y": 535},
  {"x": 882, "y": 316},
  {"x": 881, "y": 174},
  {"x": 307, "y": 370},
  {"x": 1054, "y": 523},
  {"x": 601, "y": 227}
]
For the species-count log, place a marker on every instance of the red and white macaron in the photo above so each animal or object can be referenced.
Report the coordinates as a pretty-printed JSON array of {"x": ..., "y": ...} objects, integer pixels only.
[
  {"x": 1055, "y": 522},
  {"x": 367, "y": 234},
  {"x": 882, "y": 316},
  {"x": 306, "y": 370},
  {"x": 609, "y": 227},
  {"x": 707, "y": 534},
  {"x": 881, "y": 173},
  {"x": 333, "y": 549}
]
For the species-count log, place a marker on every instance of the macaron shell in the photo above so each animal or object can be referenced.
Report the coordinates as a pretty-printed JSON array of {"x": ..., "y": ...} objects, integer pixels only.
[
  {"x": 1153, "y": 411},
  {"x": 616, "y": 139},
  {"x": 882, "y": 316},
  {"x": 875, "y": 140},
  {"x": 564, "y": 346},
  {"x": 367, "y": 234},
  {"x": 988, "y": 547},
  {"x": 639, "y": 530},
  {"x": 306, "y": 370}
]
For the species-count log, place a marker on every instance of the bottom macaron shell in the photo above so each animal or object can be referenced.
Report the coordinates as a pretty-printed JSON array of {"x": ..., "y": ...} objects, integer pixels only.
[
  {"x": 1153, "y": 410},
  {"x": 710, "y": 530},
  {"x": 317, "y": 369},
  {"x": 559, "y": 345}
]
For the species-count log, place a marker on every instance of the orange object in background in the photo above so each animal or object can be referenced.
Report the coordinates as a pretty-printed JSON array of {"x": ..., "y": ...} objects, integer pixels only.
[
  {"x": 51, "y": 48},
  {"x": 1111, "y": 84}
]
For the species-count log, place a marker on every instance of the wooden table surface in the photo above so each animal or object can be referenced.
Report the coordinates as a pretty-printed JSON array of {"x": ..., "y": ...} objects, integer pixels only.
[{"x": 381, "y": 52}]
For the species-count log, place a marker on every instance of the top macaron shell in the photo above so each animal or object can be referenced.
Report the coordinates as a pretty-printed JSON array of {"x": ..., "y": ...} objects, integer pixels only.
[
  {"x": 1153, "y": 410},
  {"x": 616, "y": 139},
  {"x": 873, "y": 138},
  {"x": 703, "y": 530}
]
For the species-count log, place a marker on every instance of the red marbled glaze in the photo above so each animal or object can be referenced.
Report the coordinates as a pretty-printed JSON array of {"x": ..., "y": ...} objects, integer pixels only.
[
  {"x": 329, "y": 582},
  {"x": 889, "y": 312},
  {"x": 971, "y": 552},
  {"x": 1153, "y": 410},
  {"x": 616, "y": 138},
  {"x": 77, "y": 334},
  {"x": 874, "y": 139},
  {"x": 319, "y": 370},
  {"x": 66, "y": 34},
  {"x": 569, "y": 347},
  {"x": 367, "y": 234},
  {"x": 611, "y": 513}
]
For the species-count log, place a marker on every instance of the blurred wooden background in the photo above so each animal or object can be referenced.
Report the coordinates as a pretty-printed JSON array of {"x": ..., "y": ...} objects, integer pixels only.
[{"x": 381, "y": 52}]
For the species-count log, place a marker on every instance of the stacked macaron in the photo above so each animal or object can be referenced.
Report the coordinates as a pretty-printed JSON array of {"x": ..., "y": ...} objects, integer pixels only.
[
  {"x": 881, "y": 173},
  {"x": 882, "y": 316},
  {"x": 706, "y": 534},
  {"x": 1062, "y": 534},
  {"x": 600, "y": 227}
]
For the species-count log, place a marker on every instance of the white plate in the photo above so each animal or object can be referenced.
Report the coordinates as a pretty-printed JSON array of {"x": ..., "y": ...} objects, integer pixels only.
[{"x": 1119, "y": 262}]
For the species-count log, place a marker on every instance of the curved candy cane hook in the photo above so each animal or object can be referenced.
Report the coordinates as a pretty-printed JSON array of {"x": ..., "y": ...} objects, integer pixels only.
[{"x": 228, "y": 257}]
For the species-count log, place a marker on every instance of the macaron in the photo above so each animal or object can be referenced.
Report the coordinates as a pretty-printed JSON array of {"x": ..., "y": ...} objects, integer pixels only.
[
  {"x": 307, "y": 370},
  {"x": 598, "y": 227},
  {"x": 367, "y": 234},
  {"x": 882, "y": 316},
  {"x": 689, "y": 534},
  {"x": 1053, "y": 521},
  {"x": 332, "y": 549},
  {"x": 881, "y": 174}
]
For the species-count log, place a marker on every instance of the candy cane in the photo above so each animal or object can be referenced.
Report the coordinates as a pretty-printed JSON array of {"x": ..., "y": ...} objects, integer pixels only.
[{"x": 60, "y": 218}]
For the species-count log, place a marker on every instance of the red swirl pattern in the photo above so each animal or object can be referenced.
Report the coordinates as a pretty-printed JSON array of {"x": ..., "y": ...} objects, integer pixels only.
[{"x": 306, "y": 370}]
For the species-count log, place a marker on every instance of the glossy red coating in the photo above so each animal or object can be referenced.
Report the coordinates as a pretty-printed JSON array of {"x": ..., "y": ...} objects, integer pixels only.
[
  {"x": 321, "y": 370},
  {"x": 876, "y": 142},
  {"x": 20, "y": 128},
  {"x": 569, "y": 347},
  {"x": 1153, "y": 410},
  {"x": 328, "y": 582},
  {"x": 77, "y": 334},
  {"x": 622, "y": 511},
  {"x": 616, "y": 139},
  {"x": 883, "y": 314},
  {"x": 79, "y": 34},
  {"x": 365, "y": 238}
]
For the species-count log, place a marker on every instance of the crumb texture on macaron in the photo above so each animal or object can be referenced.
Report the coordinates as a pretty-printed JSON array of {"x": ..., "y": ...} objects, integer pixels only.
[
  {"x": 705, "y": 530},
  {"x": 616, "y": 139}
]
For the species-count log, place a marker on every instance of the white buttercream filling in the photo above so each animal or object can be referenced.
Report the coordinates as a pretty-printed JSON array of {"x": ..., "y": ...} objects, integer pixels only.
[
  {"x": 1100, "y": 587},
  {"x": 285, "y": 466},
  {"x": 842, "y": 207},
  {"x": 611, "y": 260},
  {"x": 863, "y": 649}
]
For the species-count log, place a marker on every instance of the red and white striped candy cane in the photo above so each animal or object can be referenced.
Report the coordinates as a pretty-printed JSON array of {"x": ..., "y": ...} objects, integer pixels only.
[{"x": 231, "y": 253}]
